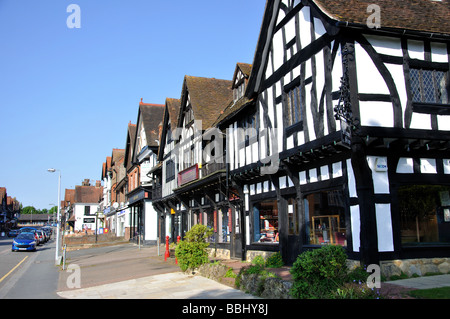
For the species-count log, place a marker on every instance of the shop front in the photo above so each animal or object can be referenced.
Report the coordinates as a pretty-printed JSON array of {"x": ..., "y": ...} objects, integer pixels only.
[{"x": 143, "y": 217}]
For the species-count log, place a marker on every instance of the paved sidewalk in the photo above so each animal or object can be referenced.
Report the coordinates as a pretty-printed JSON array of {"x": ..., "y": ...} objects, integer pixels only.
[
  {"x": 175, "y": 285},
  {"x": 124, "y": 271},
  {"x": 425, "y": 282}
]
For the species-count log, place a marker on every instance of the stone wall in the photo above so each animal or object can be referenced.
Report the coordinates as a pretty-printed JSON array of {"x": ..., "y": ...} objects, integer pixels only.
[
  {"x": 268, "y": 288},
  {"x": 251, "y": 254},
  {"x": 418, "y": 267}
]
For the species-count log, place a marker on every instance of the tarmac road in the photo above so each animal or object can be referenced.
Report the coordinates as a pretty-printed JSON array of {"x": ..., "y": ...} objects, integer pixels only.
[{"x": 28, "y": 275}]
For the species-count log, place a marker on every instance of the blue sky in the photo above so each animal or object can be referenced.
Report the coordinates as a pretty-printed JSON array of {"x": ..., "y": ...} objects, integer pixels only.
[{"x": 67, "y": 95}]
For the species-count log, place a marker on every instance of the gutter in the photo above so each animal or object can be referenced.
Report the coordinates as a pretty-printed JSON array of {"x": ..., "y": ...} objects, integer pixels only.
[{"x": 393, "y": 31}]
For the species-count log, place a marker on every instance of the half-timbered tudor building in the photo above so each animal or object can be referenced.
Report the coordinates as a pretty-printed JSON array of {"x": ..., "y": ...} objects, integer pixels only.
[
  {"x": 131, "y": 183},
  {"x": 144, "y": 156},
  {"x": 164, "y": 173},
  {"x": 353, "y": 129},
  {"x": 201, "y": 165},
  {"x": 244, "y": 109}
]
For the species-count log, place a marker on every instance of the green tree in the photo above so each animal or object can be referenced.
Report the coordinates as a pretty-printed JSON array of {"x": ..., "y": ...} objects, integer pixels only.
[{"x": 29, "y": 210}]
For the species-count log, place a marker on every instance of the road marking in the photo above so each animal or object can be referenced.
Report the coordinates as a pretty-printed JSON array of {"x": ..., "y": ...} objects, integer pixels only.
[{"x": 3, "y": 278}]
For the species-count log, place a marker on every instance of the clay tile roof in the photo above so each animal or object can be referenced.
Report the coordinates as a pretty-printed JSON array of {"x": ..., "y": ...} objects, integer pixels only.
[
  {"x": 152, "y": 116},
  {"x": 69, "y": 196},
  {"x": 208, "y": 96},
  {"x": 88, "y": 194},
  {"x": 173, "y": 107},
  {"x": 419, "y": 15},
  {"x": 245, "y": 68},
  {"x": 117, "y": 154}
]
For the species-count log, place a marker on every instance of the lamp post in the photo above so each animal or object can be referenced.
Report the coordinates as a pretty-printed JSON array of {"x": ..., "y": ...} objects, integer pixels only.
[{"x": 58, "y": 217}]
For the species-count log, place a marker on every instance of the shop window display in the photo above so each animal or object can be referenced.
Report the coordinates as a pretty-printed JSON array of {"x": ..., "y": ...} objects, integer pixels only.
[
  {"x": 424, "y": 214},
  {"x": 224, "y": 225},
  {"x": 210, "y": 225},
  {"x": 265, "y": 216},
  {"x": 325, "y": 215}
]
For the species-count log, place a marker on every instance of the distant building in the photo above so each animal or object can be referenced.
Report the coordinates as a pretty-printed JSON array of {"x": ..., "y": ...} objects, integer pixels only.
[
  {"x": 85, "y": 206},
  {"x": 35, "y": 219}
]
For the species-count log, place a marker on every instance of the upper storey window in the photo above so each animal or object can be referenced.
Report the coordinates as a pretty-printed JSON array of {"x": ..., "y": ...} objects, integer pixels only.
[
  {"x": 429, "y": 86},
  {"x": 188, "y": 116},
  {"x": 238, "y": 91},
  {"x": 294, "y": 110}
]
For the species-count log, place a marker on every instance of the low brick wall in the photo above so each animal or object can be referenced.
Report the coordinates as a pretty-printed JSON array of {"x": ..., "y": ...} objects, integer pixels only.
[{"x": 77, "y": 241}]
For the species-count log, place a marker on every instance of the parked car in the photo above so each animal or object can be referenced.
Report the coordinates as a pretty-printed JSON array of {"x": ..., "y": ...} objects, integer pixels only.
[
  {"x": 31, "y": 230},
  {"x": 41, "y": 236},
  {"x": 24, "y": 241},
  {"x": 13, "y": 232},
  {"x": 47, "y": 232}
]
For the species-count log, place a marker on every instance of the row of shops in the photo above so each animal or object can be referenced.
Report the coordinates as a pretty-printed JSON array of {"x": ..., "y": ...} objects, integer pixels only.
[{"x": 328, "y": 138}]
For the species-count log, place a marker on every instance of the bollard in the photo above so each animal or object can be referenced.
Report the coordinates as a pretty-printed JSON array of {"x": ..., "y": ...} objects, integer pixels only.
[
  {"x": 167, "y": 254},
  {"x": 176, "y": 259}
]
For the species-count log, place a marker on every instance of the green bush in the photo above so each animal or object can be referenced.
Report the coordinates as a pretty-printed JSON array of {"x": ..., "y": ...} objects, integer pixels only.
[
  {"x": 191, "y": 252},
  {"x": 259, "y": 261},
  {"x": 275, "y": 261},
  {"x": 319, "y": 273}
]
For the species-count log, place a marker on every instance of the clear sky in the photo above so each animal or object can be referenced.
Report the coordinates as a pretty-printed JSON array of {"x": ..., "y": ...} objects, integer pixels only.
[{"x": 67, "y": 94}]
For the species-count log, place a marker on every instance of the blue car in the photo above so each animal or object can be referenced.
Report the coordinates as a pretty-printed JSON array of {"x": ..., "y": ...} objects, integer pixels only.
[{"x": 24, "y": 241}]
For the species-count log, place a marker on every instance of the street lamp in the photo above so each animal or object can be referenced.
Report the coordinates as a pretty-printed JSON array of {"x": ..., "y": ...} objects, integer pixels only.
[{"x": 52, "y": 170}]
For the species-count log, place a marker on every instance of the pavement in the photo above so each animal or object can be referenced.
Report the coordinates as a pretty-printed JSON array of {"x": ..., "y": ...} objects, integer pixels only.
[
  {"x": 427, "y": 282},
  {"x": 127, "y": 272}
]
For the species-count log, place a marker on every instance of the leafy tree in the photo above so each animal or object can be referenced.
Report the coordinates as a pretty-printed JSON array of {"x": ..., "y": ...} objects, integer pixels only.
[{"x": 29, "y": 210}]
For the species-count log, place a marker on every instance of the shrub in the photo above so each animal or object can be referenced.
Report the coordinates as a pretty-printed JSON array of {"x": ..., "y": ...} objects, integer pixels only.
[
  {"x": 318, "y": 273},
  {"x": 191, "y": 252},
  {"x": 275, "y": 261},
  {"x": 259, "y": 261}
]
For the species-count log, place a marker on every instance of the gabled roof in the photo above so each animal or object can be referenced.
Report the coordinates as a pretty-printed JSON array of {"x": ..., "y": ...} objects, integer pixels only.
[
  {"x": 208, "y": 97},
  {"x": 152, "y": 116},
  {"x": 419, "y": 18},
  {"x": 69, "y": 197},
  {"x": 170, "y": 117},
  {"x": 245, "y": 68},
  {"x": 88, "y": 194},
  {"x": 172, "y": 109},
  {"x": 2, "y": 193},
  {"x": 419, "y": 15},
  {"x": 233, "y": 108},
  {"x": 131, "y": 136},
  {"x": 117, "y": 154}
]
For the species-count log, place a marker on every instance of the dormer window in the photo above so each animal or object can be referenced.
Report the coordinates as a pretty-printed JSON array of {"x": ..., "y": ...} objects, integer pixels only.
[
  {"x": 238, "y": 91},
  {"x": 188, "y": 116}
]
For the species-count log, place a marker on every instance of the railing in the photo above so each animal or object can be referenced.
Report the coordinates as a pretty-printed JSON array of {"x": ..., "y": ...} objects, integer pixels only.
[{"x": 212, "y": 167}]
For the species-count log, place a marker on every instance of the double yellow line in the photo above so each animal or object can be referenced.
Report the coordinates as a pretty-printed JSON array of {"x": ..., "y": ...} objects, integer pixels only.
[{"x": 3, "y": 278}]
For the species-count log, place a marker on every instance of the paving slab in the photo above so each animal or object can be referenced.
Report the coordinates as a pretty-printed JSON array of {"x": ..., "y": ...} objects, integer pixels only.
[
  {"x": 176, "y": 285},
  {"x": 426, "y": 282}
]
